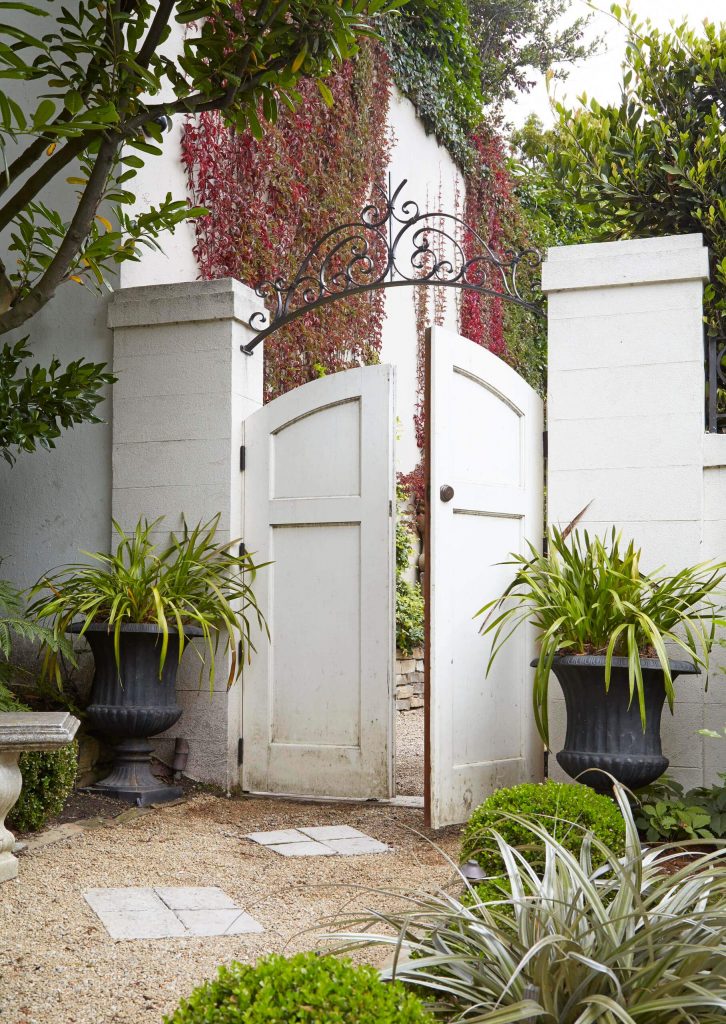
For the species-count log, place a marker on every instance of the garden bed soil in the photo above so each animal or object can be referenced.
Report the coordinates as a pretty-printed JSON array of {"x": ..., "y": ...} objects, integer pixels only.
[
  {"x": 59, "y": 966},
  {"x": 83, "y": 803}
]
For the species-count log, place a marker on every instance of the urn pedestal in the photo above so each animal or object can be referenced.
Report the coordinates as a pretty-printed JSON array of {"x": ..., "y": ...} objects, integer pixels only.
[{"x": 131, "y": 702}]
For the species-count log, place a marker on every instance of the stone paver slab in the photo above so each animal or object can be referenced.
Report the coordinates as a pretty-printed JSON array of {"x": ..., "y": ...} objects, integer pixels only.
[
  {"x": 143, "y": 924},
  {"x": 325, "y": 832},
  {"x": 168, "y": 912},
  {"x": 309, "y": 848},
  {"x": 207, "y": 897},
  {"x": 356, "y": 847},
  {"x": 319, "y": 840},
  {"x": 283, "y": 835},
  {"x": 218, "y": 922},
  {"x": 116, "y": 900}
]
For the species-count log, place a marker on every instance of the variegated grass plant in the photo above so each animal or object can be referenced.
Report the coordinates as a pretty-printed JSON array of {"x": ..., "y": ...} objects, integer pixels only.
[
  {"x": 194, "y": 580},
  {"x": 590, "y": 596},
  {"x": 627, "y": 943}
]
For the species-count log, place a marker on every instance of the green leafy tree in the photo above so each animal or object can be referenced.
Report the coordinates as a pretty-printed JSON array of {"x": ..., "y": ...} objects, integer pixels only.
[
  {"x": 460, "y": 60},
  {"x": 105, "y": 89},
  {"x": 515, "y": 38},
  {"x": 655, "y": 162}
]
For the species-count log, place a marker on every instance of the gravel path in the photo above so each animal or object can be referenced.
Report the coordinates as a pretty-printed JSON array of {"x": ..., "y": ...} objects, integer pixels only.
[
  {"x": 59, "y": 966},
  {"x": 410, "y": 753}
]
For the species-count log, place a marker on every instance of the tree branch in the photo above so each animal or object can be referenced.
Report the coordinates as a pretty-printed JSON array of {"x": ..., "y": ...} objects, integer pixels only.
[
  {"x": 160, "y": 22},
  {"x": 69, "y": 248},
  {"x": 73, "y": 148},
  {"x": 28, "y": 157}
]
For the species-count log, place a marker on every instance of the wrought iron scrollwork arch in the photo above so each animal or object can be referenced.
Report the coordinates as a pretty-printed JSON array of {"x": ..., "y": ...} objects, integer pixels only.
[{"x": 391, "y": 247}]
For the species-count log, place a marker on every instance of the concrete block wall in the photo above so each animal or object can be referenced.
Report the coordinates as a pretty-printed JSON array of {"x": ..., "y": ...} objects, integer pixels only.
[
  {"x": 627, "y": 434},
  {"x": 183, "y": 390}
]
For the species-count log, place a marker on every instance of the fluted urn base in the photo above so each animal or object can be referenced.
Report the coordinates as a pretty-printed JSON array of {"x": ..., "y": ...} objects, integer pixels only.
[
  {"x": 131, "y": 778},
  {"x": 605, "y": 735},
  {"x": 130, "y": 703}
]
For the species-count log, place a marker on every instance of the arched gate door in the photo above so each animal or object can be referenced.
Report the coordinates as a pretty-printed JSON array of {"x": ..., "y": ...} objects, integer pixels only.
[{"x": 319, "y": 499}]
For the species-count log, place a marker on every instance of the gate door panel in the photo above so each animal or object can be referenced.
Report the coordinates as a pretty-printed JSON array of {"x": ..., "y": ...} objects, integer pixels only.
[
  {"x": 319, "y": 499},
  {"x": 485, "y": 465}
]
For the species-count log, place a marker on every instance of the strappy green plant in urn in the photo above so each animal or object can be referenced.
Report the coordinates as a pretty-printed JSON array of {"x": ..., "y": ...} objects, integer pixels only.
[
  {"x": 140, "y": 608},
  {"x": 615, "y": 637}
]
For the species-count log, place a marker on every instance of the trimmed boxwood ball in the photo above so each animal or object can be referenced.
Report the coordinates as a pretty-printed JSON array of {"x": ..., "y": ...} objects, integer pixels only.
[
  {"x": 48, "y": 778},
  {"x": 567, "y": 810},
  {"x": 306, "y": 989}
]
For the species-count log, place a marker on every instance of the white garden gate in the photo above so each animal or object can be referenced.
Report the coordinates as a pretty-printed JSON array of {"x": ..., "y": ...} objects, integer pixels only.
[
  {"x": 319, "y": 503},
  {"x": 319, "y": 497},
  {"x": 484, "y": 453}
]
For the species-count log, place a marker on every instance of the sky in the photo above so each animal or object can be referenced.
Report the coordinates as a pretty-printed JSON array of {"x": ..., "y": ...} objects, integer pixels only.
[{"x": 600, "y": 75}]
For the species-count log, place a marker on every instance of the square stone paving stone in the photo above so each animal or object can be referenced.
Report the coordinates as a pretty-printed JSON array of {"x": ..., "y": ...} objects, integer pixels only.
[
  {"x": 208, "y": 897},
  {"x": 168, "y": 912},
  {"x": 115, "y": 900},
  {"x": 306, "y": 848},
  {"x": 161, "y": 923},
  {"x": 218, "y": 922},
  {"x": 325, "y": 832},
  {"x": 319, "y": 841},
  {"x": 282, "y": 835},
  {"x": 356, "y": 846}
]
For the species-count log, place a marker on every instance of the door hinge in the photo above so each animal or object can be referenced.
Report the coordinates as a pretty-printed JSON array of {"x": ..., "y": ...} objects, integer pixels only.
[
  {"x": 390, "y": 509},
  {"x": 240, "y": 750},
  {"x": 545, "y": 443},
  {"x": 242, "y": 549},
  {"x": 241, "y": 458}
]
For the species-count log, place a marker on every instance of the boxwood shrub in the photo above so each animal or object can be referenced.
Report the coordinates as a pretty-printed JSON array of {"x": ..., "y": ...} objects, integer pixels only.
[
  {"x": 305, "y": 989},
  {"x": 567, "y": 810},
  {"x": 48, "y": 778}
]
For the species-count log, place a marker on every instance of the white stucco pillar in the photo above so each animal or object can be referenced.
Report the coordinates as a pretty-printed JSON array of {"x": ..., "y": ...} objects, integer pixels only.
[
  {"x": 627, "y": 431},
  {"x": 184, "y": 388}
]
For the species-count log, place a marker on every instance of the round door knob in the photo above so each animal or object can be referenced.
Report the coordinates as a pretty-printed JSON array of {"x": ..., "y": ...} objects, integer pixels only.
[{"x": 446, "y": 492}]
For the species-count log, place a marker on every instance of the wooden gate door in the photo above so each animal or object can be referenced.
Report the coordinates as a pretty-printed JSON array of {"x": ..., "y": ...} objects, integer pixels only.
[
  {"x": 484, "y": 457},
  {"x": 319, "y": 499}
]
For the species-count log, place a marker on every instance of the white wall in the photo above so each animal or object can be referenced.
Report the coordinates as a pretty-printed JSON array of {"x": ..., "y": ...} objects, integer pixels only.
[
  {"x": 626, "y": 432},
  {"x": 433, "y": 179}
]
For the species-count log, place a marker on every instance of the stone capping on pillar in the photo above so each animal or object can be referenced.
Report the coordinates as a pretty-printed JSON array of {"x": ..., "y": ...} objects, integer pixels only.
[
  {"x": 36, "y": 730},
  {"x": 633, "y": 262},
  {"x": 153, "y": 305}
]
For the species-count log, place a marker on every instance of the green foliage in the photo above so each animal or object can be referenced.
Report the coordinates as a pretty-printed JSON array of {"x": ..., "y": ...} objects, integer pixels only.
[
  {"x": 436, "y": 64},
  {"x": 454, "y": 58},
  {"x": 306, "y": 989},
  {"x": 567, "y": 811},
  {"x": 409, "y": 597},
  {"x": 588, "y": 596},
  {"x": 48, "y": 778},
  {"x": 194, "y": 581},
  {"x": 552, "y": 212},
  {"x": 655, "y": 163},
  {"x": 38, "y": 402},
  {"x": 623, "y": 943},
  {"x": 665, "y": 812},
  {"x": 15, "y": 625},
  {"x": 99, "y": 88}
]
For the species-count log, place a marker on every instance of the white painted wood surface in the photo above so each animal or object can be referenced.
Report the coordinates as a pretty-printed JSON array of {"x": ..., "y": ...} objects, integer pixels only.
[
  {"x": 319, "y": 495},
  {"x": 485, "y": 442}
]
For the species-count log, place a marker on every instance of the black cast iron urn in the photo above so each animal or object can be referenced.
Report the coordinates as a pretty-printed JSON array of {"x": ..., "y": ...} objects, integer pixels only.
[
  {"x": 604, "y": 730},
  {"x": 130, "y": 703}
]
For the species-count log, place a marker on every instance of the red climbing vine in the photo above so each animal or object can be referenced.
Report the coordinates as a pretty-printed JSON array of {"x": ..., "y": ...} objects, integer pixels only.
[
  {"x": 488, "y": 193},
  {"x": 270, "y": 199}
]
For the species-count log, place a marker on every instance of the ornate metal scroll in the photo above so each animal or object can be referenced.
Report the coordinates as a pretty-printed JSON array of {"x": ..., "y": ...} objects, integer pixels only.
[{"x": 391, "y": 247}]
